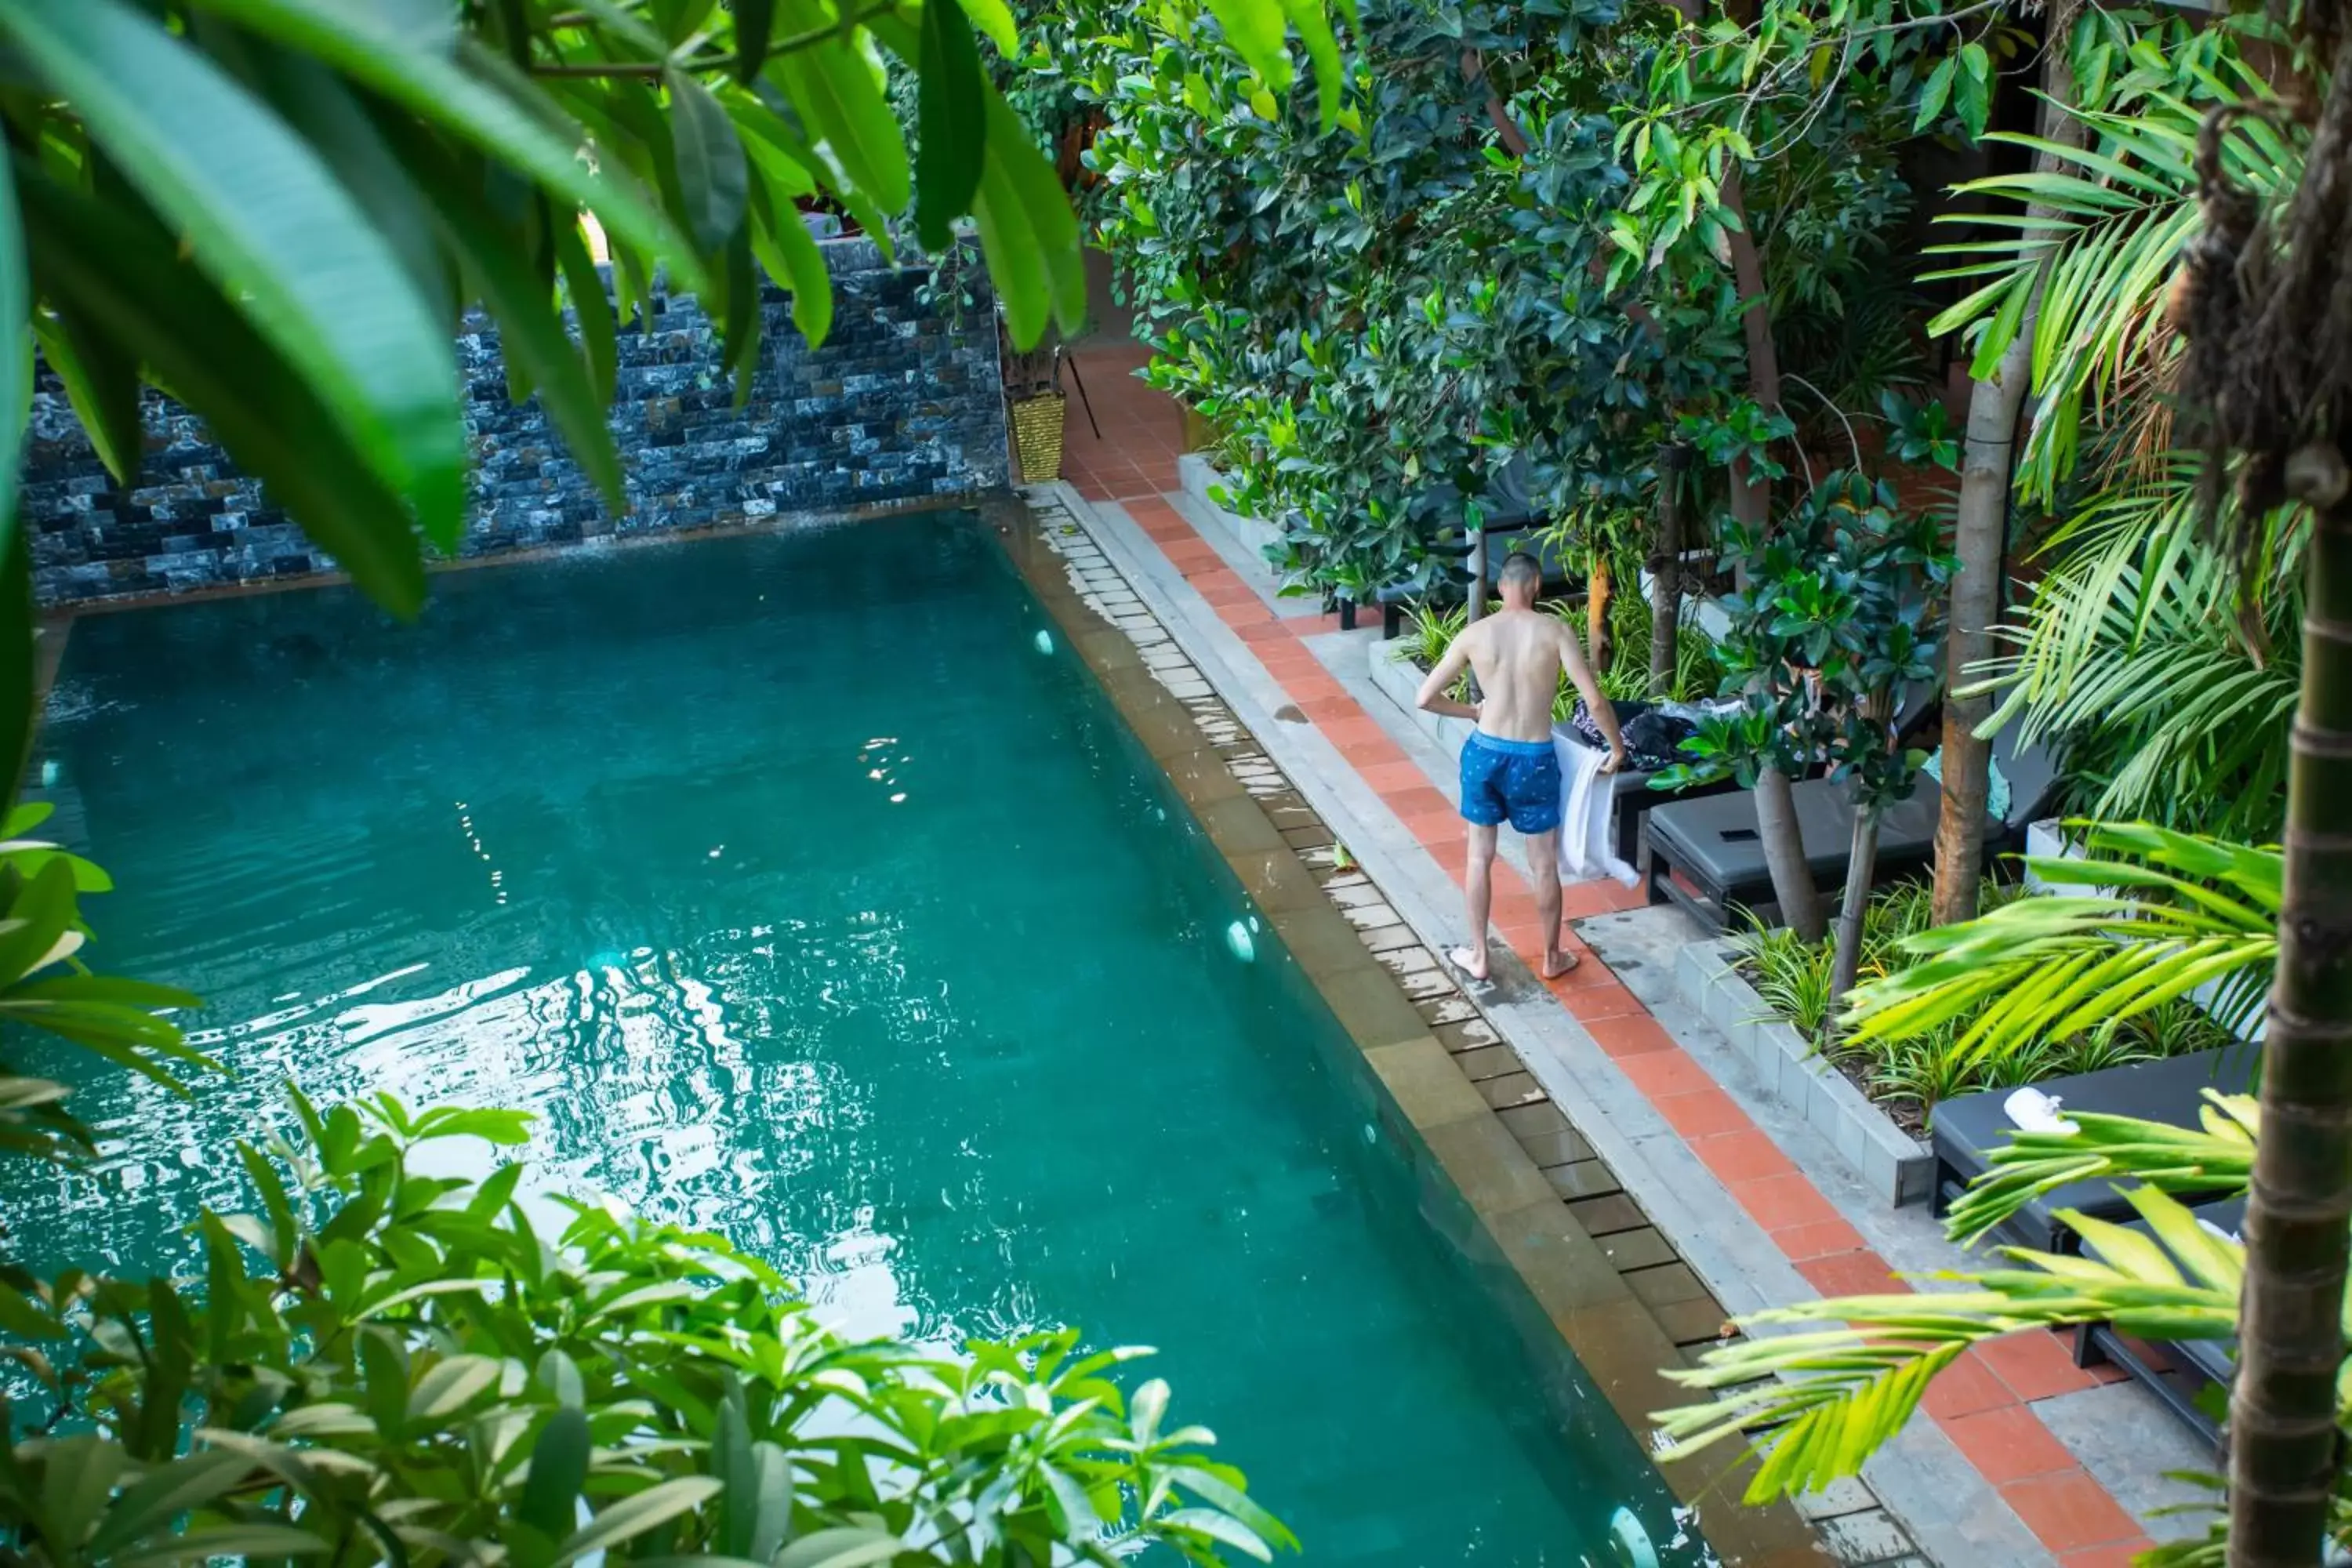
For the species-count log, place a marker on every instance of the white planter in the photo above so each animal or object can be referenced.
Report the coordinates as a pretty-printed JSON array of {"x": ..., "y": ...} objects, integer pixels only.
[
  {"x": 1198, "y": 477},
  {"x": 1399, "y": 680}
]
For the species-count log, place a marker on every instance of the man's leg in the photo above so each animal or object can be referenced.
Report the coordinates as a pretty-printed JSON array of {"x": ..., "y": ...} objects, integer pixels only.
[
  {"x": 1543, "y": 864},
  {"x": 1479, "y": 898}
]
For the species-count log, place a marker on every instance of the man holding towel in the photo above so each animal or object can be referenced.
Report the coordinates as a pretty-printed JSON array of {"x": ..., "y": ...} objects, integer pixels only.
[{"x": 1508, "y": 769}]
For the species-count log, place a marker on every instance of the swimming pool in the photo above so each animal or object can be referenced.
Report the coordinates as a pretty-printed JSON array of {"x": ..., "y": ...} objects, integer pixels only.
[{"x": 808, "y": 888}]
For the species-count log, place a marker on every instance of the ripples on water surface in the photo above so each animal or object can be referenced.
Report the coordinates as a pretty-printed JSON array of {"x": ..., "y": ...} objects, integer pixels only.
[{"x": 801, "y": 896}]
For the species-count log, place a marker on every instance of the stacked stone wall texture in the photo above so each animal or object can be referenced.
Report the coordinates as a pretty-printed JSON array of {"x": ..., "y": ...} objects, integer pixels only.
[{"x": 902, "y": 404}]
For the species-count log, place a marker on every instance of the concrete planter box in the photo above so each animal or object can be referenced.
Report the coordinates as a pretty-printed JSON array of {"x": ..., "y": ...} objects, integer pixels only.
[
  {"x": 1897, "y": 1167},
  {"x": 1198, "y": 477},
  {"x": 1399, "y": 680}
]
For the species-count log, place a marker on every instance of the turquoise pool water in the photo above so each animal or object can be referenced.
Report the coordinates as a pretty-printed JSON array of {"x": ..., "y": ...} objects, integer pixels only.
[{"x": 803, "y": 896}]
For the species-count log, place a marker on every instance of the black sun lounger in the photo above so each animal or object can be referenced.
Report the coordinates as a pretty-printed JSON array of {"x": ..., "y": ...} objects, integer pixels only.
[
  {"x": 1965, "y": 1131},
  {"x": 2177, "y": 1372},
  {"x": 1707, "y": 856}
]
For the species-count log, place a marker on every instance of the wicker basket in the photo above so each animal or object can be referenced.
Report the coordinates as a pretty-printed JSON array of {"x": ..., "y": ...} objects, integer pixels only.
[{"x": 1037, "y": 436}]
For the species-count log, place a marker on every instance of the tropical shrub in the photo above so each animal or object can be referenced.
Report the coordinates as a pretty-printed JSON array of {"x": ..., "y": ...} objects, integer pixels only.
[
  {"x": 382, "y": 1364},
  {"x": 1384, "y": 308},
  {"x": 1841, "y": 610}
]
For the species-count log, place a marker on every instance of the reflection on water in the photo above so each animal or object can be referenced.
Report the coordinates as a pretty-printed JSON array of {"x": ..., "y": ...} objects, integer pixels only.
[{"x": 802, "y": 900}]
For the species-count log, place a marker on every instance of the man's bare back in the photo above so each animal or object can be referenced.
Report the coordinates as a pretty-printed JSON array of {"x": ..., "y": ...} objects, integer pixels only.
[{"x": 1517, "y": 656}]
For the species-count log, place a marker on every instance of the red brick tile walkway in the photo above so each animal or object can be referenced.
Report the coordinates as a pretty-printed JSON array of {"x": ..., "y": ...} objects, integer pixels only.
[{"x": 1984, "y": 1401}]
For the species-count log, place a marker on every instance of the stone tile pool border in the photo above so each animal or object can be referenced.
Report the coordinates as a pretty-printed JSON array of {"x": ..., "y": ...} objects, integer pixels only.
[
  {"x": 1980, "y": 1474},
  {"x": 1544, "y": 1204}
]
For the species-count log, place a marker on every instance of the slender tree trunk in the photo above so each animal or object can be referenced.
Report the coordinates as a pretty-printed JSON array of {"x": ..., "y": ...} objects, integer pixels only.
[
  {"x": 1751, "y": 491},
  {"x": 2284, "y": 1447},
  {"x": 1599, "y": 593},
  {"x": 1784, "y": 855},
  {"x": 1666, "y": 576},
  {"x": 1477, "y": 574},
  {"x": 1861, "y": 871},
  {"x": 1979, "y": 535}
]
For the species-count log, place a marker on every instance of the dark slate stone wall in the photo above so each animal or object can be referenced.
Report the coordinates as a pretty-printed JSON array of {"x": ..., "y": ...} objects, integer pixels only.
[{"x": 902, "y": 405}]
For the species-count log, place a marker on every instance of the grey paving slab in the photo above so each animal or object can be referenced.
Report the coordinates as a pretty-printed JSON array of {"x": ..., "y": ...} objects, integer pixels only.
[{"x": 2129, "y": 1448}]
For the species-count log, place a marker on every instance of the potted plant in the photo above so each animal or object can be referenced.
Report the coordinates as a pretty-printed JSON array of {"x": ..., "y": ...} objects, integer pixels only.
[{"x": 1035, "y": 407}]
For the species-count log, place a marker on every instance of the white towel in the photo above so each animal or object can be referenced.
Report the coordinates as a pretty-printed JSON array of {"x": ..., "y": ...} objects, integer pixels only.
[{"x": 1588, "y": 799}]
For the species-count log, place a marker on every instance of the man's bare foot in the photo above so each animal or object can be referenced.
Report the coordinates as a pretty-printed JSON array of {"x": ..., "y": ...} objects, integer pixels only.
[
  {"x": 1556, "y": 963},
  {"x": 1470, "y": 962}
]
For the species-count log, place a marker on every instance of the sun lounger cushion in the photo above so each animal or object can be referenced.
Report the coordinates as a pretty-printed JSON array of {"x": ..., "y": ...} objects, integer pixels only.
[{"x": 1965, "y": 1131}]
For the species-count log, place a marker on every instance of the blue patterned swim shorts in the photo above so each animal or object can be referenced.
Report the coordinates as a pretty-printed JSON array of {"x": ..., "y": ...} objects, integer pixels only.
[{"x": 1515, "y": 779}]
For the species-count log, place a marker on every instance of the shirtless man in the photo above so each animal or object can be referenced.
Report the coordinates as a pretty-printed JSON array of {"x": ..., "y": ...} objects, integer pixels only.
[{"x": 1508, "y": 769}]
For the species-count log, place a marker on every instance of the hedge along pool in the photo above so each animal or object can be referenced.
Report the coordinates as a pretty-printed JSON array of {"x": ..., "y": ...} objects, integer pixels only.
[{"x": 807, "y": 886}]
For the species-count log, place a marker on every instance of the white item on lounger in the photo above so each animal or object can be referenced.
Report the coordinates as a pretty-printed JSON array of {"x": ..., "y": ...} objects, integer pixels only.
[{"x": 2031, "y": 1111}]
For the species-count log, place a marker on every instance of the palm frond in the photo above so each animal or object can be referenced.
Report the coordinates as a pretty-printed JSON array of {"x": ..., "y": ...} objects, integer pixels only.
[
  {"x": 2215, "y": 1158},
  {"x": 2120, "y": 210},
  {"x": 2171, "y": 676},
  {"x": 2164, "y": 915},
  {"x": 1817, "y": 1403}
]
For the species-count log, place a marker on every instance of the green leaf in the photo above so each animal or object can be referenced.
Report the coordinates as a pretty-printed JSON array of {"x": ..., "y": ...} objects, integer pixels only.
[
  {"x": 558, "y": 1465},
  {"x": 632, "y": 1515},
  {"x": 711, "y": 174},
  {"x": 19, "y": 714},
  {"x": 741, "y": 336},
  {"x": 272, "y": 225},
  {"x": 152, "y": 1502},
  {"x": 103, "y": 383},
  {"x": 450, "y": 1385},
  {"x": 499, "y": 269},
  {"x": 754, "y": 20},
  {"x": 74, "y": 1484},
  {"x": 791, "y": 256},
  {"x": 15, "y": 367},
  {"x": 592, "y": 306},
  {"x": 262, "y": 1540},
  {"x": 1259, "y": 33},
  {"x": 488, "y": 101},
  {"x": 1323, "y": 48},
  {"x": 995, "y": 17},
  {"x": 1972, "y": 94},
  {"x": 841, "y": 1548},
  {"x": 953, "y": 122},
  {"x": 833, "y": 87},
  {"x": 1933, "y": 96},
  {"x": 1029, "y": 233}
]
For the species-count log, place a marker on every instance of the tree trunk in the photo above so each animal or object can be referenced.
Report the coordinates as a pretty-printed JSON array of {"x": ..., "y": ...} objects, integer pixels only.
[
  {"x": 1477, "y": 574},
  {"x": 1784, "y": 855},
  {"x": 1666, "y": 577},
  {"x": 2283, "y": 1438},
  {"x": 1980, "y": 533},
  {"x": 1751, "y": 491},
  {"x": 1860, "y": 870},
  {"x": 1599, "y": 593}
]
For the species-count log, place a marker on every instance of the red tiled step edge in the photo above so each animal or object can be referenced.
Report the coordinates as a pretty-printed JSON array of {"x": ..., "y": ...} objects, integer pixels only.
[{"x": 1984, "y": 1401}]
